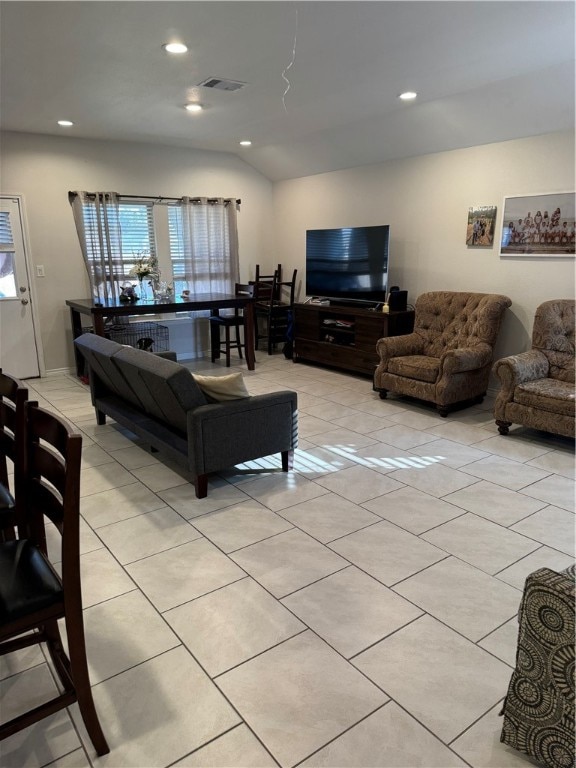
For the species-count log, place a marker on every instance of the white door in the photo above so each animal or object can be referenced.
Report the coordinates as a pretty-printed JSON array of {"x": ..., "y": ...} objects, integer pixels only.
[{"x": 18, "y": 352}]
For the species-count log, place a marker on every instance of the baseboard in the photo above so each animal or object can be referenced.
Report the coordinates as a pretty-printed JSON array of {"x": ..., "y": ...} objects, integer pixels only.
[{"x": 59, "y": 372}]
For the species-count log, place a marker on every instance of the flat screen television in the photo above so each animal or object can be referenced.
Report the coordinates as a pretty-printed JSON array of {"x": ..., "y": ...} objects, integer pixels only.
[{"x": 349, "y": 263}]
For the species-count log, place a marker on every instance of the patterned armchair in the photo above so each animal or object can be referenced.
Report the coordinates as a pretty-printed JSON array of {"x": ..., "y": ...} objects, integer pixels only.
[
  {"x": 539, "y": 707},
  {"x": 447, "y": 359},
  {"x": 538, "y": 386}
]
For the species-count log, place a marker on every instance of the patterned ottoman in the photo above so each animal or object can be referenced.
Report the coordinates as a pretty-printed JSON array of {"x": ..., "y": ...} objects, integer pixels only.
[{"x": 539, "y": 707}]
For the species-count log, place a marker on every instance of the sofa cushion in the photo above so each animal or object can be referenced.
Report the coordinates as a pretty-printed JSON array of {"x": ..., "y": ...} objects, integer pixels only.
[
  {"x": 550, "y": 395},
  {"x": 221, "y": 388},
  {"x": 99, "y": 352},
  {"x": 167, "y": 390},
  {"x": 417, "y": 367}
]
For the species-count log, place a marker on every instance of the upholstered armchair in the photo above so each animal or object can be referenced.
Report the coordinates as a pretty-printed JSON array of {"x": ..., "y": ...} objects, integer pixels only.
[
  {"x": 537, "y": 387},
  {"x": 448, "y": 357}
]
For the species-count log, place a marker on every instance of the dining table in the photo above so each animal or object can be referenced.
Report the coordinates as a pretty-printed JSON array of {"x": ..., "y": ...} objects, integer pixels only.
[{"x": 100, "y": 311}]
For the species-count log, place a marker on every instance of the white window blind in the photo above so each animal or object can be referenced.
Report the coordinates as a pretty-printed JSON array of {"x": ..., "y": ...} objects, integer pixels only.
[
  {"x": 133, "y": 228},
  {"x": 6, "y": 237}
]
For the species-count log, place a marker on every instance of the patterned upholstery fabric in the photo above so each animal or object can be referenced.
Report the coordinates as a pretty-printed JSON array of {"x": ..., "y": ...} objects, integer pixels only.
[
  {"x": 537, "y": 387},
  {"x": 539, "y": 706},
  {"x": 447, "y": 358}
]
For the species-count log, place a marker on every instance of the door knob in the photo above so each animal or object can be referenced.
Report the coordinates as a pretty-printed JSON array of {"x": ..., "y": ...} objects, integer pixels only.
[
  {"x": 24, "y": 301},
  {"x": 23, "y": 289}
]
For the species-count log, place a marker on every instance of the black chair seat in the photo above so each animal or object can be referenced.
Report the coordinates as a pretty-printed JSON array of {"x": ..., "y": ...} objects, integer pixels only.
[{"x": 27, "y": 582}]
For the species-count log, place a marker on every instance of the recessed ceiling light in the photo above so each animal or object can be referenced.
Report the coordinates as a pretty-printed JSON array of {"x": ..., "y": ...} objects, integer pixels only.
[
  {"x": 194, "y": 107},
  {"x": 246, "y": 143},
  {"x": 408, "y": 96},
  {"x": 175, "y": 47},
  {"x": 65, "y": 123}
]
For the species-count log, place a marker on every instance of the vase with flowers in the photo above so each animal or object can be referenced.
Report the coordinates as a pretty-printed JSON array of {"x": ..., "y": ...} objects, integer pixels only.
[{"x": 146, "y": 270}]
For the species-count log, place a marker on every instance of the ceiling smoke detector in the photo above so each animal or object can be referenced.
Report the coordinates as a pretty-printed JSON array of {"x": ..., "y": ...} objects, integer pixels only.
[{"x": 219, "y": 84}]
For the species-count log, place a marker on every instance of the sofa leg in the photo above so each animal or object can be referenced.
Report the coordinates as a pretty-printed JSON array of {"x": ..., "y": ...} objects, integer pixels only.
[
  {"x": 201, "y": 486},
  {"x": 383, "y": 394},
  {"x": 100, "y": 418},
  {"x": 503, "y": 426},
  {"x": 443, "y": 410},
  {"x": 287, "y": 461}
]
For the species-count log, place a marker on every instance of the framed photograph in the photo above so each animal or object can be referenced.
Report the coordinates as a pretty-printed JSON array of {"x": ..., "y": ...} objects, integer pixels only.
[
  {"x": 481, "y": 225},
  {"x": 538, "y": 226}
]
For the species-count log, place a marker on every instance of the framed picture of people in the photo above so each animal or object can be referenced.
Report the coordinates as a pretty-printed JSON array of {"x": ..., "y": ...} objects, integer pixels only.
[
  {"x": 538, "y": 226},
  {"x": 481, "y": 225}
]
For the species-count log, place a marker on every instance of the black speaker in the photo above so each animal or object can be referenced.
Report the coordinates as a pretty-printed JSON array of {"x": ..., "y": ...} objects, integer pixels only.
[{"x": 398, "y": 301}]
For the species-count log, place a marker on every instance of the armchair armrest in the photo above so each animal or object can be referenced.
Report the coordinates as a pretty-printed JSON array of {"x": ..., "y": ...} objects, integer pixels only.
[
  {"x": 466, "y": 358},
  {"x": 517, "y": 369},
  {"x": 397, "y": 346}
]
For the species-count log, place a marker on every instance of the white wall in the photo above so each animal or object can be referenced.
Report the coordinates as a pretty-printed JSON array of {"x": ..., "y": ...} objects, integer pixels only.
[
  {"x": 426, "y": 201},
  {"x": 44, "y": 168}
]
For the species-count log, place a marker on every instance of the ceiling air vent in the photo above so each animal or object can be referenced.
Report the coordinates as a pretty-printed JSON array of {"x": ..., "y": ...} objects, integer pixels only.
[{"x": 222, "y": 85}]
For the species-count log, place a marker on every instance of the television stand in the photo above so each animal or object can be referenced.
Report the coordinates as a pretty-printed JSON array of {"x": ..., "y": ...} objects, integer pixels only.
[{"x": 343, "y": 336}]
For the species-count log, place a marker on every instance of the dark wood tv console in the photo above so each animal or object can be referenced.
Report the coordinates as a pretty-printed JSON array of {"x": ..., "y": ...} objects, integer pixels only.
[{"x": 344, "y": 337}]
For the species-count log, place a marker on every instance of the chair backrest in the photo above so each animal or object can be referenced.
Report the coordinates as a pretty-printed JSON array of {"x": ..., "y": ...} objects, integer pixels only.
[
  {"x": 450, "y": 320},
  {"x": 53, "y": 460},
  {"x": 264, "y": 285},
  {"x": 244, "y": 289},
  {"x": 13, "y": 396},
  {"x": 553, "y": 335},
  {"x": 283, "y": 290}
]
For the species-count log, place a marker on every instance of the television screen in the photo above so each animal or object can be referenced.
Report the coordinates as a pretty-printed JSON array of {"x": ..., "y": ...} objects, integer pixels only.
[{"x": 348, "y": 263}]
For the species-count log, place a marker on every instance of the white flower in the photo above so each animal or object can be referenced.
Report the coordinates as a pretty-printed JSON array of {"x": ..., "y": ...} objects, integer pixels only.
[{"x": 145, "y": 266}]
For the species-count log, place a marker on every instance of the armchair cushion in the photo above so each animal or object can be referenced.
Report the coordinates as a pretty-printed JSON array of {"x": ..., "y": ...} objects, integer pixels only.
[
  {"x": 417, "y": 367},
  {"x": 547, "y": 395}
]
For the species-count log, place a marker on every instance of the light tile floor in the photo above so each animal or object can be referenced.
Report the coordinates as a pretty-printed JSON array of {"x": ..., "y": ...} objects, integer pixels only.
[{"x": 358, "y": 612}]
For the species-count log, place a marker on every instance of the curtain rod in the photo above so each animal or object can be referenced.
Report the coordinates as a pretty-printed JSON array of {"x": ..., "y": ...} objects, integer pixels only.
[{"x": 158, "y": 198}]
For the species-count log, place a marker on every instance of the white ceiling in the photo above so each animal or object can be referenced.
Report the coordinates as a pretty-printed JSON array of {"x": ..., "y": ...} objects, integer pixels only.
[{"x": 484, "y": 72}]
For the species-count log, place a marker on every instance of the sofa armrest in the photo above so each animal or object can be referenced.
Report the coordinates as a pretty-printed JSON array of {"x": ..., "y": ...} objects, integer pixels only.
[
  {"x": 466, "y": 359},
  {"x": 223, "y": 434},
  {"x": 397, "y": 346}
]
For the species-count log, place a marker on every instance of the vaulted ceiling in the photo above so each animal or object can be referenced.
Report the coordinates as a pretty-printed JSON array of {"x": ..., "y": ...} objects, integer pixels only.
[{"x": 322, "y": 78}]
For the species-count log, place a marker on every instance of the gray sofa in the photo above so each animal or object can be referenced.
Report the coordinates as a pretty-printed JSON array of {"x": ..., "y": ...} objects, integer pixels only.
[{"x": 159, "y": 400}]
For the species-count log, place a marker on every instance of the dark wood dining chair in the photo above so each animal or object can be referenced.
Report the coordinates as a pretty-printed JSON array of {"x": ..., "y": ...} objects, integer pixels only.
[
  {"x": 33, "y": 596},
  {"x": 276, "y": 312},
  {"x": 13, "y": 396},
  {"x": 232, "y": 322},
  {"x": 266, "y": 284}
]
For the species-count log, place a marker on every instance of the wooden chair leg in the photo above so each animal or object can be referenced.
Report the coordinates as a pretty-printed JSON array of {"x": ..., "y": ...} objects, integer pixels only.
[
  {"x": 79, "y": 671},
  {"x": 227, "y": 335},
  {"x": 238, "y": 341}
]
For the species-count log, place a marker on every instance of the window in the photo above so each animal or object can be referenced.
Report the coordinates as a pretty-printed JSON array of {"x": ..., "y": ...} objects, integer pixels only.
[
  {"x": 207, "y": 258},
  {"x": 131, "y": 234},
  {"x": 7, "y": 271},
  {"x": 193, "y": 240}
]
